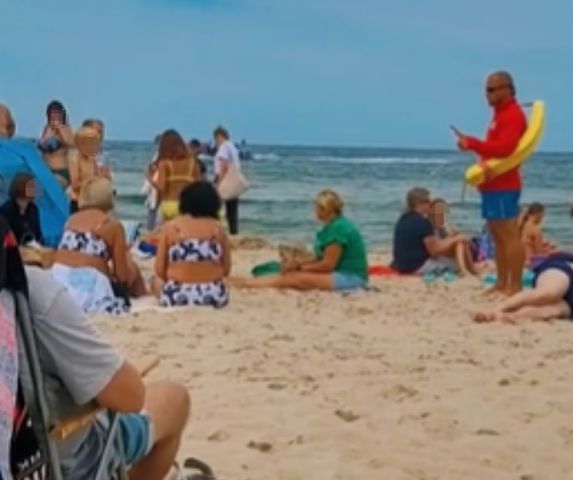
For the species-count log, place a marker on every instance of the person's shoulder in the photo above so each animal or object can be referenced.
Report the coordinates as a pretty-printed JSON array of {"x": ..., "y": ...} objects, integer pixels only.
[
  {"x": 514, "y": 112},
  {"x": 345, "y": 224},
  {"x": 408, "y": 218},
  {"x": 6, "y": 207},
  {"x": 415, "y": 220}
]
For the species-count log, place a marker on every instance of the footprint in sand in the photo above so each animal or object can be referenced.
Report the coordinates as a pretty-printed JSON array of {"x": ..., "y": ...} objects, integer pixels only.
[
  {"x": 263, "y": 447},
  {"x": 218, "y": 436},
  {"x": 347, "y": 415},
  {"x": 276, "y": 386}
]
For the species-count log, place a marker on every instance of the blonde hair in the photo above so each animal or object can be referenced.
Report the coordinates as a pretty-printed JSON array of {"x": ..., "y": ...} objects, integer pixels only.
[
  {"x": 97, "y": 193},
  {"x": 88, "y": 141},
  {"x": 330, "y": 201},
  {"x": 96, "y": 124}
]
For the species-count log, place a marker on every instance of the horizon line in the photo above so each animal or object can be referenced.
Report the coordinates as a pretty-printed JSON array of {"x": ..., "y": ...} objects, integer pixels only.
[{"x": 317, "y": 146}]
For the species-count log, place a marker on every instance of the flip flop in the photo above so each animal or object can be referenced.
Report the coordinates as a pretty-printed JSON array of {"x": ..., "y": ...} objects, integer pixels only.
[{"x": 205, "y": 471}]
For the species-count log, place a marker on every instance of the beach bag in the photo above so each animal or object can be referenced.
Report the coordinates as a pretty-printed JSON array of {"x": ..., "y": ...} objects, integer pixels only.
[{"x": 233, "y": 185}]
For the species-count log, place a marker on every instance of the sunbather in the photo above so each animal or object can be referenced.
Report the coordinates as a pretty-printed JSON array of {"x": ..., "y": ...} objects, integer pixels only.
[
  {"x": 531, "y": 228},
  {"x": 93, "y": 259},
  {"x": 439, "y": 212},
  {"x": 340, "y": 264},
  {"x": 417, "y": 248},
  {"x": 551, "y": 296},
  {"x": 193, "y": 255}
]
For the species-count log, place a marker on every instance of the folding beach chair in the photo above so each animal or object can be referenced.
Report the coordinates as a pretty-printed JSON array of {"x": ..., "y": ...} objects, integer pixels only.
[{"x": 47, "y": 431}]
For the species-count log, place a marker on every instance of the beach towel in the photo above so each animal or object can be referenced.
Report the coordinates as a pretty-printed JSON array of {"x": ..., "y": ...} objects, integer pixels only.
[
  {"x": 91, "y": 290},
  {"x": 132, "y": 230},
  {"x": 387, "y": 271},
  {"x": 8, "y": 385}
]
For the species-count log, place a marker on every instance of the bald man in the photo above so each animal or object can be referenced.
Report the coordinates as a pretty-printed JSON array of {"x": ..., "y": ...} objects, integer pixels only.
[
  {"x": 500, "y": 193},
  {"x": 7, "y": 125}
]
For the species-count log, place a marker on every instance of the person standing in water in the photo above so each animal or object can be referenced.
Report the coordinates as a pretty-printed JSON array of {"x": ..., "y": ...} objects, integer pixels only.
[
  {"x": 500, "y": 193},
  {"x": 227, "y": 157},
  {"x": 56, "y": 141}
]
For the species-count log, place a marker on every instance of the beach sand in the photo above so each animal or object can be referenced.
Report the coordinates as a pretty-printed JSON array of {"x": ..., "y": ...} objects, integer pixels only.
[{"x": 393, "y": 384}]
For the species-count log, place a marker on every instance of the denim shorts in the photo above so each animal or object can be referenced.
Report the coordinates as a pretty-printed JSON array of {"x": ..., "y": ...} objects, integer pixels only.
[
  {"x": 348, "y": 281},
  {"x": 500, "y": 205},
  {"x": 136, "y": 433}
]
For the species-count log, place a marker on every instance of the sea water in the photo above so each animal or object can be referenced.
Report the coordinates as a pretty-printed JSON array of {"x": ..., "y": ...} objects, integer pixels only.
[{"x": 372, "y": 181}]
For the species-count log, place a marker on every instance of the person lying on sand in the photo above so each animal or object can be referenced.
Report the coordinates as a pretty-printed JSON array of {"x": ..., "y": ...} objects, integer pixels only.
[
  {"x": 439, "y": 212},
  {"x": 551, "y": 296},
  {"x": 193, "y": 254},
  {"x": 531, "y": 228},
  {"x": 340, "y": 261}
]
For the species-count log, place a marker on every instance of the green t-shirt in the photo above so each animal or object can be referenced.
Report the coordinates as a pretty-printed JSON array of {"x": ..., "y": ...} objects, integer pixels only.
[{"x": 342, "y": 232}]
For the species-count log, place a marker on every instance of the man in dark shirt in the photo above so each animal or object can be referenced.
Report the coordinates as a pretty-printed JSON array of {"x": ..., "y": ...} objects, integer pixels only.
[
  {"x": 21, "y": 212},
  {"x": 417, "y": 249}
]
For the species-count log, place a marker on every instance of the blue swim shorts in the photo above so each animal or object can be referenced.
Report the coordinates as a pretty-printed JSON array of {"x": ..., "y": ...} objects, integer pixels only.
[
  {"x": 136, "y": 433},
  {"x": 348, "y": 281},
  {"x": 500, "y": 205}
]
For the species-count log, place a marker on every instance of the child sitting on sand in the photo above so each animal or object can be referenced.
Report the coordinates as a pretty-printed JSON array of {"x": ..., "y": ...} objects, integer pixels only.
[
  {"x": 530, "y": 226},
  {"x": 439, "y": 212}
]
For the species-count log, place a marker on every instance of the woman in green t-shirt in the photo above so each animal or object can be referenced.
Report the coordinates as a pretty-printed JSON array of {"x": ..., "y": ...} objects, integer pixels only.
[{"x": 340, "y": 255}]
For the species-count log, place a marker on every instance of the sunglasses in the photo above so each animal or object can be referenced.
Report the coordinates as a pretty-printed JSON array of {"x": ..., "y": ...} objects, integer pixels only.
[{"x": 495, "y": 89}]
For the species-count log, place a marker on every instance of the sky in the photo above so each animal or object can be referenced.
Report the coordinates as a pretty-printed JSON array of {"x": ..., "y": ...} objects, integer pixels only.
[{"x": 389, "y": 73}]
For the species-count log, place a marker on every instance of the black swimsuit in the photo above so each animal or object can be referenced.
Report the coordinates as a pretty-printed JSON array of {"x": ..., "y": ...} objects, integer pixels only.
[{"x": 558, "y": 261}]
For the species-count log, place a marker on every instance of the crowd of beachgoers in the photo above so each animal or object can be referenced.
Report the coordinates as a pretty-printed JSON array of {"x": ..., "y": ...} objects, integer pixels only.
[{"x": 192, "y": 214}]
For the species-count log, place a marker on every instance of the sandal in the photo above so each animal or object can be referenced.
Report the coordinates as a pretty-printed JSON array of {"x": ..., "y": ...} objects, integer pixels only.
[{"x": 204, "y": 471}]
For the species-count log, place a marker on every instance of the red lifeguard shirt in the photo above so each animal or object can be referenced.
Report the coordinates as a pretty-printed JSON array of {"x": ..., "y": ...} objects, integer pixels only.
[{"x": 506, "y": 129}]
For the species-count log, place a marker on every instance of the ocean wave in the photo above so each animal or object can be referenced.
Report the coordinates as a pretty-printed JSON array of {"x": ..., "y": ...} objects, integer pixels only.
[
  {"x": 365, "y": 160},
  {"x": 266, "y": 156},
  {"x": 383, "y": 160}
]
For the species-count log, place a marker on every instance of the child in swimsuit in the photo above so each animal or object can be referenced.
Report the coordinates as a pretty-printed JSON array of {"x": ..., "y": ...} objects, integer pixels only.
[
  {"x": 84, "y": 166},
  {"x": 464, "y": 258},
  {"x": 530, "y": 226}
]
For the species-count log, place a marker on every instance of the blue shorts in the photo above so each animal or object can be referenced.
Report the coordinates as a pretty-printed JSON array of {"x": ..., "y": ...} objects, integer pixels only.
[
  {"x": 501, "y": 205},
  {"x": 136, "y": 433},
  {"x": 348, "y": 281}
]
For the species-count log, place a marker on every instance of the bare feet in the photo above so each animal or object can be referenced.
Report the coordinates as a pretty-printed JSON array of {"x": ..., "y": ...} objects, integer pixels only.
[
  {"x": 509, "y": 291},
  {"x": 490, "y": 317},
  {"x": 494, "y": 291},
  {"x": 465, "y": 272}
]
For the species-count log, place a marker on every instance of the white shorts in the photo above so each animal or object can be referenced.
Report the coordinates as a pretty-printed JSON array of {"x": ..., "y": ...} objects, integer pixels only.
[{"x": 438, "y": 265}]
